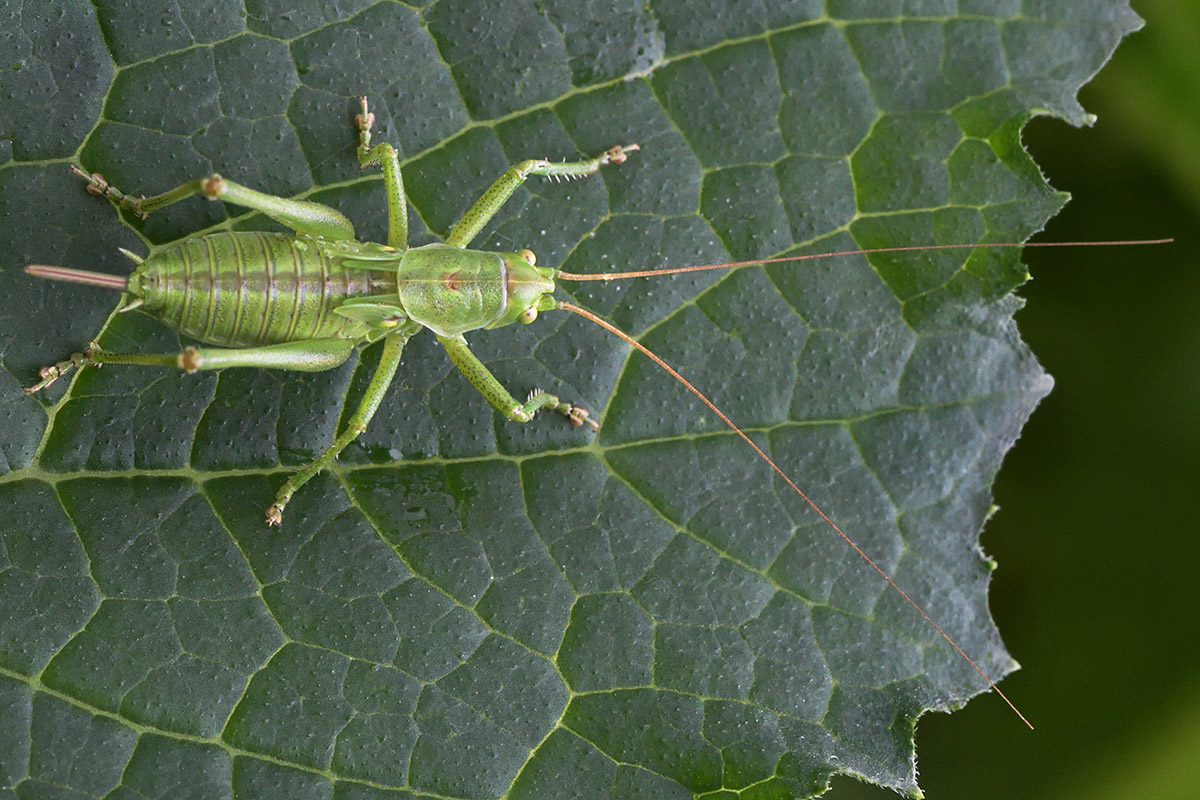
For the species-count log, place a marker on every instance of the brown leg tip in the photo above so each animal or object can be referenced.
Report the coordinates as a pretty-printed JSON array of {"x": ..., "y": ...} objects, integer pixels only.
[
  {"x": 275, "y": 515},
  {"x": 616, "y": 155},
  {"x": 48, "y": 376},
  {"x": 579, "y": 416},
  {"x": 366, "y": 119},
  {"x": 96, "y": 183}
]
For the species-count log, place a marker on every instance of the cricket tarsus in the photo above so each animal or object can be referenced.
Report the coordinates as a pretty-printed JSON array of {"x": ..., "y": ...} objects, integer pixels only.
[
  {"x": 53, "y": 372},
  {"x": 576, "y": 415}
]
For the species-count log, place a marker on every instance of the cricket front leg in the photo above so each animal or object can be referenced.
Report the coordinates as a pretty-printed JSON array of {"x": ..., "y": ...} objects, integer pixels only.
[
  {"x": 389, "y": 161},
  {"x": 491, "y": 388},
  {"x": 486, "y": 207},
  {"x": 393, "y": 346}
]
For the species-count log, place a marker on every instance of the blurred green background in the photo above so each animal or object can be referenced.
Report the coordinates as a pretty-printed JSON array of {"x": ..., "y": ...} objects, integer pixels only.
[{"x": 1098, "y": 536}]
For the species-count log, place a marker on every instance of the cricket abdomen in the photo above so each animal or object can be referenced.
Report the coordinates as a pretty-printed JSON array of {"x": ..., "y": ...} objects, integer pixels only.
[{"x": 249, "y": 288}]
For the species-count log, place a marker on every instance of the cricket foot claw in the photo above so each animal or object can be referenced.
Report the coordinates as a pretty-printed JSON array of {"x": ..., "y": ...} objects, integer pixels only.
[
  {"x": 366, "y": 119},
  {"x": 579, "y": 416},
  {"x": 616, "y": 155},
  {"x": 48, "y": 376},
  {"x": 95, "y": 181}
]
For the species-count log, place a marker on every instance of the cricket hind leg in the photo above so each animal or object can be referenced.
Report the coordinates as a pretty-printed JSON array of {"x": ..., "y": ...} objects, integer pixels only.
[
  {"x": 302, "y": 216},
  {"x": 314, "y": 355},
  {"x": 486, "y": 206},
  {"x": 393, "y": 347}
]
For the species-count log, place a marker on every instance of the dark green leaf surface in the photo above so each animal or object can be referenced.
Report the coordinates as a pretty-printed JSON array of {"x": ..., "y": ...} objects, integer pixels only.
[{"x": 469, "y": 608}]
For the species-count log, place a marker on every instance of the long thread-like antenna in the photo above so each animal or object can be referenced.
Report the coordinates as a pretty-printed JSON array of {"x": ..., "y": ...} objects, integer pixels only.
[
  {"x": 648, "y": 273},
  {"x": 633, "y": 342}
]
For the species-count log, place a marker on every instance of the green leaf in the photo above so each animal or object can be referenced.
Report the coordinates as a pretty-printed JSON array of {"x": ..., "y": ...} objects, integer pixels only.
[{"x": 467, "y": 607}]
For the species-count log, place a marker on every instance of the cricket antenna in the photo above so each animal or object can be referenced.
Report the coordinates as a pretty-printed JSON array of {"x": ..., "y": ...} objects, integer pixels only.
[
  {"x": 647, "y": 273},
  {"x": 646, "y": 351}
]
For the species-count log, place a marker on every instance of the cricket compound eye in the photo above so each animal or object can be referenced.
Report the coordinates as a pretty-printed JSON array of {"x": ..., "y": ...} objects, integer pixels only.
[
  {"x": 528, "y": 315},
  {"x": 528, "y": 256}
]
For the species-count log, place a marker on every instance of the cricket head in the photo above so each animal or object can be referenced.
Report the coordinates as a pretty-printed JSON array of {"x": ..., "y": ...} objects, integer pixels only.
[{"x": 530, "y": 289}]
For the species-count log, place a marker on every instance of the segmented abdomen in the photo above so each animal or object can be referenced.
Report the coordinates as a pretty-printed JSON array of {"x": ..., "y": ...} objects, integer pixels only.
[{"x": 249, "y": 288}]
